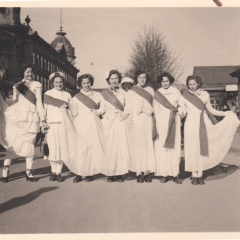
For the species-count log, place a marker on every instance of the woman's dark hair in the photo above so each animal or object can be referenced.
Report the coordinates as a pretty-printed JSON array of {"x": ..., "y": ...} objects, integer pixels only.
[
  {"x": 165, "y": 74},
  {"x": 114, "y": 72},
  {"x": 196, "y": 78},
  {"x": 23, "y": 68},
  {"x": 21, "y": 87},
  {"x": 138, "y": 73},
  {"x": 89, "y": 76}
]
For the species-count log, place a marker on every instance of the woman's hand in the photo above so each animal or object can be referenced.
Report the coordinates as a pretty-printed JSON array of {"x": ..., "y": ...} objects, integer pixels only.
[
  {"x": 124, "y": 116},
  {"x": 64, "y": 107}
]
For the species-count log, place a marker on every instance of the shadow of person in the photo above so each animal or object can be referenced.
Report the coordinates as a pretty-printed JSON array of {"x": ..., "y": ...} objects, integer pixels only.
[{"x": 19, "y": 201}]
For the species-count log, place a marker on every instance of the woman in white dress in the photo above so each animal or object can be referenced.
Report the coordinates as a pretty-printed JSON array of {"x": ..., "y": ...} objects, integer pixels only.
[
  {"x": 206, "y": 142},
  {"x": 116, "y": 130},
  {"x": 168, "y": 107},
  {"x": 56, "y": 100},
  {"x": 22, "y": 122},
  {"x": 86, "y": 108},
  {"x": 143, "y": 131}
]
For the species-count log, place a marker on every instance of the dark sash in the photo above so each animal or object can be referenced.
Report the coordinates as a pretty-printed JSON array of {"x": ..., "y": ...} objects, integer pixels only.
[
  {"x": 53, "y": 101},
  {"x": 170, "y": 139},
  {"x": 143, "y": 93},
  {"x": 109, "y": 96},
  {"x": 29, "y": 95},
  {"x": 198, "y": 103},
  {"x": 146, "y": 95},
  {"x": 87, "y": 101}
]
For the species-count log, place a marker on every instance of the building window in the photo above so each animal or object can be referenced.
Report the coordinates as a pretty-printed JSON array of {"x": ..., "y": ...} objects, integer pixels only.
[
  {"x": 34, "y": 60},
  {"x": 38, "y": 63},
  {"x": 41, "y": 63}
]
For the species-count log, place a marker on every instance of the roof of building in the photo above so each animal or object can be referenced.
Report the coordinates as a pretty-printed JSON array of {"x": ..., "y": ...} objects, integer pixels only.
[
  {"x": 216, "y": 77},
  {"x": 59, "y": 40}
]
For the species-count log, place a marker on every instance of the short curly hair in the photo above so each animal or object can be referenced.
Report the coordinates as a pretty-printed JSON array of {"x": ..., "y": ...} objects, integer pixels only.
[
  {"x": 89, "y": 76},
  {"x": 165, "y": 74},
  {"x": 138, "y": 73},
  {"x": 197, "y": 79},
  {"x": 24, "y": 67},
  {"x": 114, "y": 72}
]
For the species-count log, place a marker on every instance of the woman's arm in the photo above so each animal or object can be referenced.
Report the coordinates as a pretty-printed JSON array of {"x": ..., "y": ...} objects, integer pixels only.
[
  {"x": 212, "y": 110},
  {"x": 39, "y": 104},
  {"x": 101, "y": 109},
  {"x": 73, "y": 107}
]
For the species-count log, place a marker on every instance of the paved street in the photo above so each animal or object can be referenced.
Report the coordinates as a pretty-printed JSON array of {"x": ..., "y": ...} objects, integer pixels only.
[{"x": 102, "y": 207}]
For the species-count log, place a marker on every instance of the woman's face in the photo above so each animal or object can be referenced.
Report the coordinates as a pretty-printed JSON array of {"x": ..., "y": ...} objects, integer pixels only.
[
  {"x": 193, "y": 85},
  {"x": 114, "y": 80},
  {"x": 165, "y": 83},
  {"x": 28, "y": 74},
  {"x": 126, "y": 86},
  {"x": 142, "y": 79},
  {"x": 58, "y": 83},
  {"x": 86, "y": 84}
]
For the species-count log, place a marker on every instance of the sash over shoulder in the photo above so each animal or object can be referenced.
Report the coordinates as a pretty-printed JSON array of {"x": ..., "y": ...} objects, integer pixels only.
[
  {"x": 198, "y": 103},
  {"x": 29, "y": 95},
  {"x": 109, "y": 96},
  {"x": 170, "y": 139},
  {"x": 87, "y": 101},
  {"x": 143, "y": 93},
  {"x": 146, "y": 95},
  {"x": 53, "y": 101}
]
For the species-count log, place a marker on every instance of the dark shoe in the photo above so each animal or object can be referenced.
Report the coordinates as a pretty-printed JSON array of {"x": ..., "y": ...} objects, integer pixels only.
[
  {"x": 77, "y": 179},
  {"x": 4, "y": 179},
  {"x": 29, "y": 177},
  {"x": 147, "y": 178},
  {"x": 177, "y": 180},
  {"x": 194, "y": 181},
  {"x": 200, "y": 181},
  {"x": 60, "y": 178},
  {"x": 140, "y": 178},
  {"x": 111, "y": 179},
  {"x": 89, "y": 179},
  {"x": 53, "y": 177},
  {"x": 120, "y": 178},
  {"x": 164, "y": 180}
]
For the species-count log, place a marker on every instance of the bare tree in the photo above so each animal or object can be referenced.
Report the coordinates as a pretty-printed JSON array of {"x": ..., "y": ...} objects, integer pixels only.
[{"x": 151, "y": 53}]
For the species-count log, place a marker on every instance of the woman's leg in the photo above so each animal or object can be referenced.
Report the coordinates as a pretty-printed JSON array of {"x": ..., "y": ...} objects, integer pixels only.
[
  {"x": 29, "y": 163},
  {"x": 194, "y": 178},
  {"x": 53, "y": 171},
  {"x": 5, "y": 172},
  {"x": 200, "y": 179},
  {"x": 59, "y": 171}
]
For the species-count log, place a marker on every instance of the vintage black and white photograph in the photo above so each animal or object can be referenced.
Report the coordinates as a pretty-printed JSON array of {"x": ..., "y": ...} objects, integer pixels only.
[{"x": 119, "y": 119}]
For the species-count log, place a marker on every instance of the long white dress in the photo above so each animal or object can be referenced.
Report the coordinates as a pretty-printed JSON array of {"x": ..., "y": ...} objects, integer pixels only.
[
  {"x": 143, "y": 151},
  {"x": 22, "y": 121},
  {"x": 220, "y": 136},
  {"x": 90, "y": 158},
  {"x": 54, "y": 118},
  {"x": 167, "y": 159},
  {"x": 117, "y": 137}
]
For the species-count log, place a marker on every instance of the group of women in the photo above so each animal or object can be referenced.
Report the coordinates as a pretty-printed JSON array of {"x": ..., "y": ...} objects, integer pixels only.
[{"x": 127, "y": 127}]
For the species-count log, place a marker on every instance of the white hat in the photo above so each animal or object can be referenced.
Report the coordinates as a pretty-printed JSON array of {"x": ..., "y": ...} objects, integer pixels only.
[
  {"x": 56, "y": 74},
  {"x": 128, "y": 80}
]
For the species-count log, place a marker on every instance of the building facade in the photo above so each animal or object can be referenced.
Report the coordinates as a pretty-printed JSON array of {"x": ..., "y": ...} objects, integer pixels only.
[{"x": 19, "y": 45}]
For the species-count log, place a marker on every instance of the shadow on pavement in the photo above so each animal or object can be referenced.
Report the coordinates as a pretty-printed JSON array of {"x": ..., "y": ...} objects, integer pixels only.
[{"x": 19, "y": 201}]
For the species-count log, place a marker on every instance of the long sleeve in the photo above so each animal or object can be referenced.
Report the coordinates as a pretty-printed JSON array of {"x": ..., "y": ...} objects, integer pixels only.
[
  {"x": 181, "y": 110},
  {"x": 212, "y": 110},
  {"x": 101, "y": 109},
  {"x": 39, "y": 103},
  {"x": 73, "y": 107}
]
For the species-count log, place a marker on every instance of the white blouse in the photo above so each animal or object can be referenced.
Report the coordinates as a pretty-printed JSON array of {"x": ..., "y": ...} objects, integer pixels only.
[
  {"x": 78, "y": 107},
  {"x": 53, "y": 114}
]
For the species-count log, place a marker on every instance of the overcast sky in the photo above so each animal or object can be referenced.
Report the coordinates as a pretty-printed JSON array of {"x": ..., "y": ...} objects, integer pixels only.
[{"x": 103, "y": 36}]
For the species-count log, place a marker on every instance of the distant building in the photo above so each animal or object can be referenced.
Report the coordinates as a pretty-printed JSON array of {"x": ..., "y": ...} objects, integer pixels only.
[
  {"x": 19, "y": 44},
  {"x": 219, "y": 83}
]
